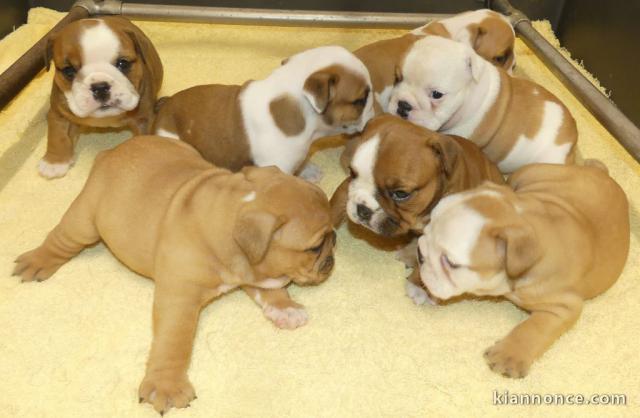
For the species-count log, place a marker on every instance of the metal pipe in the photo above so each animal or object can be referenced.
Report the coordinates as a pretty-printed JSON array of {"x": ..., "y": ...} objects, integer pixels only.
[
  {"x": 625, "y": 131},
  {"x": 18, "y": 75}
]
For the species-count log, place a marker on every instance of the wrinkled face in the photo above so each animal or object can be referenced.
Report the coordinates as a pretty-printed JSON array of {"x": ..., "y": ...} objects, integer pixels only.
[
  {"x": 395, "y": 177},
  {"x": 462, "y": 249},
  {"x": 433, "y": 82},
  {"x": 302, "y": 240},
  {"x": 342, "y": 97},
  {"x": 97, "y": 68}
]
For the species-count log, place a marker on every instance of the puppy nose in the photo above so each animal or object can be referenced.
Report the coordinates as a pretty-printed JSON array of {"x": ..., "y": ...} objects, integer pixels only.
[
  {"x": 101, "y": 91},
  {"x": 403, "y": 109},
  {"x": 420, "y": 257},
  {"x": 364, "y": 212}
]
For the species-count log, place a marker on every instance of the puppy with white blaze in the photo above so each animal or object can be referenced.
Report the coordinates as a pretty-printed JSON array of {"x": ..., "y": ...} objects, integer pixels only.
[
  {"x": 319, "y": 92},
  {"x": 107, "y": 75},
  {"x": 446, "y": 86},
  {"x": 554, "y": 237}
]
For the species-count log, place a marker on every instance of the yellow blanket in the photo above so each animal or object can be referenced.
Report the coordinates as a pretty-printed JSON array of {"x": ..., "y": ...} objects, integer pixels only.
[{"x": 76, "y": 345}]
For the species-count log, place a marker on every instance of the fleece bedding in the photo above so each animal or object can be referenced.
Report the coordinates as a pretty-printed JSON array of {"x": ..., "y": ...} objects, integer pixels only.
[{"x": 76, "y": 345}]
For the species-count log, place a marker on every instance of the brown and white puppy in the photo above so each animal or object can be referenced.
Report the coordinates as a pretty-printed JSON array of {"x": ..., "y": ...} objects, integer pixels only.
[
  {"x": 107, "y": 75},
  {"x": 198, "y": 231},
  {"x": 445, "y": 86},
  {"x": 316, "y": 93},
  {"x": 486, "y": 31},
  {"x": 559, "y": 235}
]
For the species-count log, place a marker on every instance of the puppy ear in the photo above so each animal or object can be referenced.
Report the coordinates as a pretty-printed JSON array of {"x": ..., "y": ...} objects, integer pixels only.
[
  {"x": 320, "y": 89},
  {"x": 522, "y": 248},
  {"x": 476, "y": 35},
  {"x": 253, "y": 232},
  {"x": 447, "y": 150},
  {"x": 139, "y": 45},
  {"x": 338, "y": 203},
  {"x": 475, "y": 63},
  {"x": 48, "y": 51}
]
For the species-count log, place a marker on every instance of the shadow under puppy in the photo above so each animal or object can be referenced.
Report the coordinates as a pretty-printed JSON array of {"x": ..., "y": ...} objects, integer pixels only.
[
  {"x": 399, "y": 171},
  {"x": 316, "y": 93},
  {"x": 198, "y": 231},
  {"x": 553, "y": 237},
  {"x": 107, "y": 75}
]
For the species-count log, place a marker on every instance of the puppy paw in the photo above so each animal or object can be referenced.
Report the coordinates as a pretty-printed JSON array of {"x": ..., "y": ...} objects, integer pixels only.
[
  {"x": 311, "y": 173},
  {"x": 36, "y": 265},
  {"x": 53, "y": 170},
  {"x": 418, "y": 294},
  {"x": 288, "y": 316},
  {"x": 166, "y": 390},
  {"x": 508, "y": 359}
]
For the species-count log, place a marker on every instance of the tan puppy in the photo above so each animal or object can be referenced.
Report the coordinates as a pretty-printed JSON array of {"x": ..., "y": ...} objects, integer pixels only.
[
  {"x": 447, "y": 87},
  {"x": 486, "y": 31},
  {"x": 318, "y": 92},
  {"x": 107, "y": 75},
  {"x": 198, "y": 231},
  {"x": 561, "y": 236}
]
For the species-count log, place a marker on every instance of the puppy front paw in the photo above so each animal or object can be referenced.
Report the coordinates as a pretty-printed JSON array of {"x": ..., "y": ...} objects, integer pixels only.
[
  {"x": 36, "y": 265},
  {"x": 311, "y": 173},
  {"x": 166, "y": 390},
  {"x": 508, "y": 359},
  {"x": 53, "y": 170},
  {"x": 286, "y": 314},
  {"x": 417, "y": 294}
]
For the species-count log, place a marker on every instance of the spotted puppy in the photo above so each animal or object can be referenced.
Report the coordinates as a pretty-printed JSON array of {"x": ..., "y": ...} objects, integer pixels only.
[
  {"x": 446, "y": 86},
  {"x": 553, "y": 238},
  {"x": 486, "y": 31},
  {"x": 107, "y": 75},
  {"x": 316, "y": 93}
]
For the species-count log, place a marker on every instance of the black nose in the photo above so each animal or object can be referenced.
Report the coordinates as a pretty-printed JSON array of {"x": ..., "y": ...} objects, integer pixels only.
[
  {"x": 364, "y": 212},
  {"x": 403, "y": 109},
  {"x": 101, "y": 91},
  {"x": 420, "y": 256}
]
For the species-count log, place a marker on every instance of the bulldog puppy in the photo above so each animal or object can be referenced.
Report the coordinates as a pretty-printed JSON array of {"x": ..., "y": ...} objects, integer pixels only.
[
  {"x": 445, "y": 86},
  {"x": 316, "y": 93},
  {"x": 107, "y": 75},
  {"x": 554, "y": 237},
  {"x": 486, "y": 31},
  {"x": 198, "y": 231}
]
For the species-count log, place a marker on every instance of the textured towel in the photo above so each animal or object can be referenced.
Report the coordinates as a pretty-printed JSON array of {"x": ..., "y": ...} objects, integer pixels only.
[{"x": 76, "y": 345}]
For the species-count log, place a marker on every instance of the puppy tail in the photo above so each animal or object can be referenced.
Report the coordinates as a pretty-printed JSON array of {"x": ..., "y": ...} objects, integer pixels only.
[{"x": 596, "y": 163}]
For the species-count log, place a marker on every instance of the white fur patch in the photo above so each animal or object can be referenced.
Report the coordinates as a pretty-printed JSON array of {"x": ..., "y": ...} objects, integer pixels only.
[
  {"x": 542, "y": 147},
  {"x": 249, "y": 197},
  {"x": 166, "y": 134},
  {"x": 273, "y": 283},
  {"x": 289, "y": 318},
  {"x": 311, "y": 173},
  {"x": 383, "y": 97},
  {"x": 51, "y": 170},
  {"x": 417, "y": 294}
]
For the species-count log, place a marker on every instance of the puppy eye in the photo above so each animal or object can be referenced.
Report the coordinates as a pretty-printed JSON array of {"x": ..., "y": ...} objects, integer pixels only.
[
  {"x": 363, "y": 100},
  {"x": 397, "y": 79},
  {"x": 500, "y": 59},
  {"x": 449, "y": 263},
  {"x": 435, "y": 94},
  {"x": 399, "y": 195},
  {"x": 317, "y": 248},
  {"x": 123, "y": 65},
  {"x": 352, "y": 173},
  {"x": 68, "y": 72}
]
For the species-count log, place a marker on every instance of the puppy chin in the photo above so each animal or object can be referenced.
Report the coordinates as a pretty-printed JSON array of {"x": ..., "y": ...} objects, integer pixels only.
[{"x": 428, "y": 121}]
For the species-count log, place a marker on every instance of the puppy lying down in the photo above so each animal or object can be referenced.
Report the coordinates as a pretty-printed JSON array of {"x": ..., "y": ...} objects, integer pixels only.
[
  {"x": 558, "y": 236},
  {"x": 198, "y": 231}
]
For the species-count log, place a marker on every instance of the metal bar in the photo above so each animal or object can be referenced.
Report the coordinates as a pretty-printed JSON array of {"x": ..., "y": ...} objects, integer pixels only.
[
  {"x": 276, "y": 17},
  {"x": 18, "y": 75},
  {"x": 625, "y": 131}
]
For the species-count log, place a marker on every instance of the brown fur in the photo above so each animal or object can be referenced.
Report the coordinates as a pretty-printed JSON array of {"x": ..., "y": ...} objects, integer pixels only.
[
  {"x": 287, "y": 115},
  {"x": 171, "y": 216},
  {"x": 145, "y": 74}
]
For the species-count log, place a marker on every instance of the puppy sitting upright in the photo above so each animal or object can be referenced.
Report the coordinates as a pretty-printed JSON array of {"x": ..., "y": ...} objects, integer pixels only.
[
  {"x": 316, "y": 93},
  {"x": 107, "y": 75},
  {"x": 561, "y": 236},
  {"x": 198, "y": 231},
  {"x": 489, "y": 33},
  {"x": 446, "y": 86}
]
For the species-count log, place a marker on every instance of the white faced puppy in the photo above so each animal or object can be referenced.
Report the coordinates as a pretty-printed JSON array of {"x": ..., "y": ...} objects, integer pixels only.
[
  {"x": 489, "y": 33},
  {"x": 446, "y": 86},
  {"x": 558, "y": 236},
  {"x": 316, "y": 93},
  {"x": 107, "y": 75}
]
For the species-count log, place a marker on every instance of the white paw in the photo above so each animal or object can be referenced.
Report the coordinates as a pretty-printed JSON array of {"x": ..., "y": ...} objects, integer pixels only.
[
  {"x": 289, "y": 318},
  {"x": 311, "y": 172},
  {"x": 53, "y": 170},
  {"x": 418, "y": 295}
]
